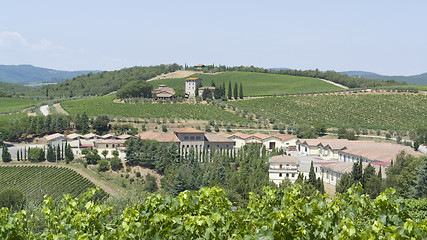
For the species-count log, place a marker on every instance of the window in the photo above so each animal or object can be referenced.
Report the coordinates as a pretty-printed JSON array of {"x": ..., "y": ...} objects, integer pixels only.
[
  {"x": 287, "y": 175},
  {"x": 280, "y": 166},
  {"x": 280, "y": 174},
  {"x": 107, "y": 145},
  {"x": 198, "y": 138},
  {"x": 293, "y": 174},
  {"x": 192, "y": 138},
  {"x": 186, "y": 138}
]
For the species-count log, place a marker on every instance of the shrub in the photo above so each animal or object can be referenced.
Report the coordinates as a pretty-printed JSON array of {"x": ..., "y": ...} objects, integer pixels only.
[
  {"x": 116, "y": 164},
  {"x": 12, "y": 199},
  {"x": 103, "y": 165}
]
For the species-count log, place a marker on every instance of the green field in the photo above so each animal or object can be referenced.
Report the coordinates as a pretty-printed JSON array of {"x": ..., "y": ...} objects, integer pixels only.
[
  {"x": 397, "y": 111},
  {"x": 8, "y": 117},
  {"x": 257, "y": 84},
  {"x": 11, "y": 104},
  {"x": 105, "y": 106},
  {"x": 36, "y": 181}
]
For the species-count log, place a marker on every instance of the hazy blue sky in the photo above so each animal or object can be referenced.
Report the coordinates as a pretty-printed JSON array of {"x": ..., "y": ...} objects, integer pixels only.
[{"x": 387, "y": 37}]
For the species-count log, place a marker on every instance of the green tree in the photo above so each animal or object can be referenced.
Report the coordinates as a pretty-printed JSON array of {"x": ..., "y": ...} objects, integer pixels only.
[
  {"x": 344, "y": 183},
  {"x": 69, "y": 156},
  {"x": 116, "y": 164},
  {"x": 420, "y": 188},
  {"x": 50, "y": 156},
  {"x": 115, "y": 153},
  {"x": 101, "y": 124},
  {"x": 12, "y": 199},
  {"x": 103, "y": 165},
  {"x": 402, "y": 174},
  {"x": 235, "y": 93},
  {"x": 241, "y": 91},
  {"x": 5, "y": 155},
  {"x": 150, "y": 183},
  {"x": 104, "y": 153},
  {"x": 36, "y": 155},
  {"x": 230, "y": 92},
  {"x": 135, "y": 89}
]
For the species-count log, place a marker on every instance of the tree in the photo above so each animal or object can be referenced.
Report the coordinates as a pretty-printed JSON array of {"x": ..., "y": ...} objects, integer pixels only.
[
  {"x": 135, "y": 89},
  {"x": 420, "y": 188},
  {"x": 216, "y": 128},
  {"x": 345, "y": 183},
  {"x": 115, "y": 153},
  {"x": 116, "y": 164},
  {"x": 103, "y": 165},
  {"x": 36, "y": 155},
  {"x": 230, "y": 92},
  {"x": 17, "y": 156},
  {"x": 207, "y": 94},
  {"x": 5, "y": 155},
  {"x": 312, "y": 175},
  {"x": 164, "y": 128},
  {"x": 69, "y": 156},
  {"x": 235, "y": 91},
  {"x": 101, "y": 124},
  {"x": 12, "y": 199},
  {"x": 196, "y": 93},
  {"x": 320, "y": 128},
  {"x": 150, "y": 183},
  {"x": 241, "y": 91},
  {"x": 50, "y": 154},
  {"x": 402, "y": 175},
  {"x": 58, "y": 152},
  {"x": 104, "y": 153}
]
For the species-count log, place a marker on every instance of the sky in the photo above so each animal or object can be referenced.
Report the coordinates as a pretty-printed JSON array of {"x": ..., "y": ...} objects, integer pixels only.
[{"x": 386, "y": 37}]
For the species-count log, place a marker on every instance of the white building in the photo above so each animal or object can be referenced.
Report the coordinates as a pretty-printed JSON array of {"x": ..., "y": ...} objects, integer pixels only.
[
  {"x": 282, "y": 167},
  {"x": 191, "y": 85}
]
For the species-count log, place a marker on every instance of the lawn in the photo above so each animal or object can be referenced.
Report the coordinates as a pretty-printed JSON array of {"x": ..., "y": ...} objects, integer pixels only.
[
  {"x": 388, "y": 111},
  {"x": 105, "y": 106},
  {"x": 12, "y": 104},
  {"x": 257, "y": 84}
]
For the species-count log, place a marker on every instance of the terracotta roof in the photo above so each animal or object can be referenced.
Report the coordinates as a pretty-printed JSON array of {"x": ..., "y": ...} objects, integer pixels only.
[
  {"x": 199, "y": 65},
  {"x": 283, "y": 159},
  {"x": 164, "y": 95},
  {"x": 224, "y": 134},
  {"x": 53, "y": 136},
  {"x": 164, "y": 90},
  {"x": 109, "y": 135},
  {"x": 383, "y": 152},
  {"x": 124, "y": 136},
  {"x": 160, "y": 137},
  {"x": 90, "y": 135},
  {"x": 240, "y": 135},
  {"x": 317, "y": 141},
  {"x": 193, "y": 78},
  {"x": 74, "y": 135},
  {"x": 283, "y": 137},
  {"x": 261, "y": 136},
  {"x": 212, "y": 137},
  {"x": 188, "y": 130},
  {"x": 347, "y": 167}
]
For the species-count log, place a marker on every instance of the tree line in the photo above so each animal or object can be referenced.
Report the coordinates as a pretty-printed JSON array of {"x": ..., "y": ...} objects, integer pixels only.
[{"x": 51, "y": 154}]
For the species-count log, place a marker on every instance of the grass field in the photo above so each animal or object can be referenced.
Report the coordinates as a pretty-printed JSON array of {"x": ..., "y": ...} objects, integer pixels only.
[
  {"x": 399, "y": 111},
  {"x": 105, "y": 106},
  {"x": 11, "y": 104},
  {"x": 36, "y": 181},
  {"x": 8, "y": 117},
  {"x": 257, "y": 84}
]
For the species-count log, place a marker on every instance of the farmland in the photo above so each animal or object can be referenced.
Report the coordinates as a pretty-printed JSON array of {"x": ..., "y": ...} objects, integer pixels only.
[
  {"x": 257, "y": 84},
  {"x": 12, "y": 104},
  {"x": 36, "y": 181},
  {"x": 105, "y": 106},
  {"x": 397, "y": 111},
  {"x": 8, "y": 117}
]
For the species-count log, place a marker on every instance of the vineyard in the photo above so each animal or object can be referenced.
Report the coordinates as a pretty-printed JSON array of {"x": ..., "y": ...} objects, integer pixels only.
[
  {"x": 12, "y": 104},
  {"x": 257, "y": 84},
  {"x": 105, "y": 106},
  {"x": 36, "y": 181},
  {"x": 208, "y": 214},
  {"x": 374, "y": 111}
]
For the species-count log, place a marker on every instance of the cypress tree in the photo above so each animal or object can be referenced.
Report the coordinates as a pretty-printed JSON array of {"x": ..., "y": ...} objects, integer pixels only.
[
  {"x": 17, "y": 156},
  {"x": 312, "y": 175},
  {"x": 58, "y": 153},
  {"x": 241, "y": 91},
  {"x": 235, "y": 91},
  {"x": 229, "y": 90},
  {"x": 5, "y": 155}
]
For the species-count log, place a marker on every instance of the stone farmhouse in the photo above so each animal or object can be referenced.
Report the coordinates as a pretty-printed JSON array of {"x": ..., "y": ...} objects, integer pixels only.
[
  {"x": 282, "y": 167},
  {"x": 191, "y": 85},
  {"x": 331, "y": 172},
  {"x": 164, "y": 92},
  {"x": 270, "y": 142}
]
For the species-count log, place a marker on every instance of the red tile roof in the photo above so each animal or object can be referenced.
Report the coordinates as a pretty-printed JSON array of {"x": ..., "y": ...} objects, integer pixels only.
[
  {"x": 283, "y": 159},
  {"x": 188, "y": 130},
  {"x": 53, "y": 136},
  {"x": 283, "y": 137}
]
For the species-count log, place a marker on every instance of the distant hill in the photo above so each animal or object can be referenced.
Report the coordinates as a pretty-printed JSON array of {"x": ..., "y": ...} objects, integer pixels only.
[
  {"x": 27, "y": 74},
  {"x": 11, "y": 89},
  {"x": 420, "y": 79}
]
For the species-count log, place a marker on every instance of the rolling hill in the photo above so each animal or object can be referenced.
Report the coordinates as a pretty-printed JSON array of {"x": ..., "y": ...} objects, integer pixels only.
[
  {"x": 257, "y": 84},
  {"x": 26, "y": 74},
  {"x": 420, "y": 79}
]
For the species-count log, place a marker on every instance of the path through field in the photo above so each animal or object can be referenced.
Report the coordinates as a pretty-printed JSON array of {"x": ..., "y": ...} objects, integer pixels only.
[
  {"x": 59, "y": 109},
  {"x": 176, "y": 74},
  {"x": 333, "y": 83}
]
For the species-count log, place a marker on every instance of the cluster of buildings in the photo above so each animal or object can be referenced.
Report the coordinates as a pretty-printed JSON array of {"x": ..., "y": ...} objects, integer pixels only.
[
  {"x": 332, "y": 157},
  {"x": 336, "y": 157},
  {"x": 164, "y": 92}
]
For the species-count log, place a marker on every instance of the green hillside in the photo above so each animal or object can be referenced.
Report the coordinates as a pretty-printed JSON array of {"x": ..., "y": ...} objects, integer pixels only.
[
  {"x": 36, "y": 181},
  {"x": 363, "y": 111},
  {"x": 257, "y": 84},
  {"x": 12, "y": 104},
  {"x": 98, "y": 84},
  {"x": 97, "y": 106},
  {"x": 11, "y": 89}
]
